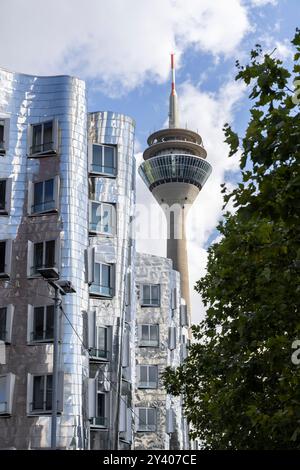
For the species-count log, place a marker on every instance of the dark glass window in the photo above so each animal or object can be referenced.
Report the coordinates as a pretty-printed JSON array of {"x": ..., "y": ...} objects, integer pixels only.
[
  {"x": 43, "y": 322},
  {"x": 42, "y": 393},
  {"x": 104, "y": 159},
  {"x": 2, "y": 194},
  {"x": 3, "y": 324},
  {"x": 44, "y": 255},
  {"x": 43, "y": 198},
  {"x": 100, "y": 419},
  {"x": 42, "y": 137},
  {"x": 2, "y": 257},
  {"x": 1, "y": 134}
]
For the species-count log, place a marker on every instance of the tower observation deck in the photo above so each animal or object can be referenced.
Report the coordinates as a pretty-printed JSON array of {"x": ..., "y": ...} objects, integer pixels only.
[{"x": 175, "y": 170}]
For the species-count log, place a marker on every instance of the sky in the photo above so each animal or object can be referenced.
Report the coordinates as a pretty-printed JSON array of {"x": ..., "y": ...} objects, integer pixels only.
[{"x": 122, "y": 49}]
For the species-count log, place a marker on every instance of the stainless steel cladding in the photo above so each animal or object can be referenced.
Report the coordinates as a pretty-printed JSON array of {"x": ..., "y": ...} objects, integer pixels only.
[
  {"x": 111, "y": 180},
  {"x": 45, "y": 141}
]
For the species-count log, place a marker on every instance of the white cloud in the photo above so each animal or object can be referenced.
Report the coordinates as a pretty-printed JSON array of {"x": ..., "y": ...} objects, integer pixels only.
[
  {"x": 207, "y": 112},
  {"x": 261, "y": 3},
  {"x": 120, "y": 43}
]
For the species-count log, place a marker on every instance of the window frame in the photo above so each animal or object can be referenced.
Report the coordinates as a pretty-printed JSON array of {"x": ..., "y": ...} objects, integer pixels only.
[
  {"x": 148, "y": 384},
  {"x": 93, "y": 286},
  {"x": 7, "y": 259},
  {"x": 9, "y": 315},
  {"x": 30, "y": 391},
  {"x": 150, "y": 303},
  {"x": 9, "y": 385},
  {"x": 31, "y": 272},
  {"x": 31, "y": 190},
  {"x": 7, "y": 197},
  {"x": 149, "y": 342},
  {"x": 5, "y": 143},
  {"x": 145, "y": 427},
  {"x": 92, "y": 170},
  {"x": 54, "y": 147},
  {"x": 112, "y": 207},
  {"x": 30, "y": 324}
]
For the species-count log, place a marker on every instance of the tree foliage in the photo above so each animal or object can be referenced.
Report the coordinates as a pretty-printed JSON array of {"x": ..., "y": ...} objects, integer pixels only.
[{"x": 240, "y": 387}]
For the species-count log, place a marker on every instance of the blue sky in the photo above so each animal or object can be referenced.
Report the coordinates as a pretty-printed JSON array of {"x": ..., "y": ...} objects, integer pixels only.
[{"x": 121, "y": 48}]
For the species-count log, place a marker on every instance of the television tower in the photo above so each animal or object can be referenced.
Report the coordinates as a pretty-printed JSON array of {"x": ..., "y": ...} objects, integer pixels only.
[{"x": 175, "y": 170}]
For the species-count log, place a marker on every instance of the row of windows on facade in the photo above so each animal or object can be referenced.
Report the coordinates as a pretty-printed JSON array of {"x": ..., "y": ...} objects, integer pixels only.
[
  {"x": 43, "y": 141},
  {"x": 40, "y": 325},
  {"x": 43, "y": 198},
  {"x": 39, "y": 402},
  {"x": 45, "y": 255}
]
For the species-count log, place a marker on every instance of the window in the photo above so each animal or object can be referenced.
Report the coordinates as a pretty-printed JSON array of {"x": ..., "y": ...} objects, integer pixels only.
[
  {"x": 43, "y": 196},
  {"x": 151, "y": 295},
  {"x": 103, "y": 280},
  {"x": 39, "y": 393},
  {"x": 104, "y": 160},
  {"x": 98, "y": 338},
  {"x": 7, "y": 383},
  {"x": 148, "y": 376},
  {"x": 147, "y": 419},
  {"x": 4, "y": 134},
  {"x": 170, "y": 421},
  {"x": 40, "y": 323},
  {"x": 43, "y": 256},
  {"x": 100, "y": 350},
  {"x": 5, "y": 258},
  {"x": 6, "y": 320},
  {"x": 149, "y": 335},
  {"x": 2, "y": 148},
  {"x": 43, "y": 138},
  {"x": 5, "y": 196},
  {"x": 97, "y": 404},
  {"x": 102, "y": 218}
]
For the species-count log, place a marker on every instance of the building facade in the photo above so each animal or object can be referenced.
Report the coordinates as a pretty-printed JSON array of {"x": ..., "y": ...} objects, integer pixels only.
[
  {"x": 43, "y": 172},
  {"x": 111, "y": 248},
  {"x": 67, "y": 200},
  {"x": 161, "y": 340}
]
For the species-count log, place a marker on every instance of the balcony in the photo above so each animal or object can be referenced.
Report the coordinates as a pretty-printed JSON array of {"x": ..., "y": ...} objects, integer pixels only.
[
  {"x": 46, "y": 206},
  {"x": 99, "y": 422},
  {"x": 101, "y": 291},
  {"x": 98, "y": 354},
  {"x": 48, "y": 271},
  {"x": 45, "y": 149}
]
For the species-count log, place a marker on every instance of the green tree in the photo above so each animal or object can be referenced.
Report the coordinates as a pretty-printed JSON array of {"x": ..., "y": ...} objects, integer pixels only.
[{"x": 240, "y": 387}]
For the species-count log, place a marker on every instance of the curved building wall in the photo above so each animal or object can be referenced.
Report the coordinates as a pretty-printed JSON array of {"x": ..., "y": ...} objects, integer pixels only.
[
  {"x": 27, "y": 100},
  {"x": 117, "y": 312}
]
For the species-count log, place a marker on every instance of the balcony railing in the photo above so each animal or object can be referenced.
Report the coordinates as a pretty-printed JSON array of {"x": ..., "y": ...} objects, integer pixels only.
[
  {"x": 147, "y": 385},
  {"x": 34, "y": 270},
  {"x": 44, "y": 336},
  {"x": 149, "y": 342},
  {"x": 100, "y": 422},
  {"x": 98, "y": 353},
  {"x": 103, "y": 169},
  {"x": 40, "y": 407},
  {"x": 43, "y": 206},
  {"x": 101, "y": 291},
  {"x": 42, "y": 148},
  {"x": 104, "y": 229}
]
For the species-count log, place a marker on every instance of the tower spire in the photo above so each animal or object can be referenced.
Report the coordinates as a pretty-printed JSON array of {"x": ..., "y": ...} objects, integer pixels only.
[{"x": 173, "y": 106}]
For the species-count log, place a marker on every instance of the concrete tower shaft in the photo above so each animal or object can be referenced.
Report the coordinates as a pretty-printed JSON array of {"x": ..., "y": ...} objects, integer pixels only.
[{"x": 175, "y": 170}]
